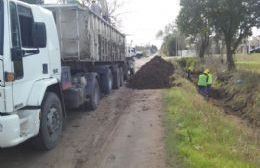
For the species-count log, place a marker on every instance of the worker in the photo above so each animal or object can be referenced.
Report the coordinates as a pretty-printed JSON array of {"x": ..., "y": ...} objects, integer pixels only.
[
  {"x": 209, "y": 82},
  {"x": 95, "y": 8},
  {"x": 202, "y": 83},
  {"x": 190, "y": 72}
]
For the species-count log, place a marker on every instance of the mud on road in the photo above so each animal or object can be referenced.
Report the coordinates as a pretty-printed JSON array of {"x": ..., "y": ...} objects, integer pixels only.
[{"x": 124, "y": 132}]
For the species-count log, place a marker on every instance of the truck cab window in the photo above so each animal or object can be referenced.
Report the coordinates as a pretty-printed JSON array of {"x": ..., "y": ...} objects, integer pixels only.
[
  {"x": 16, "y": 39},
  {"x": 26, "y": 24},
  {"x": 15, "y": 26}
]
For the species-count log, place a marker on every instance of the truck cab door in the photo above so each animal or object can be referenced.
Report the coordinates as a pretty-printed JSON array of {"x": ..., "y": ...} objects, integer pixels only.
[{"x": 29, "y": 63}]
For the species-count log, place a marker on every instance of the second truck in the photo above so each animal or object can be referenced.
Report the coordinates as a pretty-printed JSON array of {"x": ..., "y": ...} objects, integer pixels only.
[{"x": 51, "y": 59}]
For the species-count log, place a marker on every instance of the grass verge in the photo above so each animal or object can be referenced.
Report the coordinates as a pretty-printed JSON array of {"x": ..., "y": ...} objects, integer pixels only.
[
  {"x": 200, "y": 135},
  {"x": 248, "y": 62}
]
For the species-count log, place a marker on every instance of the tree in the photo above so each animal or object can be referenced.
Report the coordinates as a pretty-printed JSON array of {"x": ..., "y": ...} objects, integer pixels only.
[
  {"x": 114, "y": 13},
  {"x": 169, "y": 45},
  {"x": 234, "y": 19},
  {"x": 193, "y": 21},
  {"x": 159, "y": 34},
  {"x": 173, "y": 40},
  {"x": 110, "y": 9}
]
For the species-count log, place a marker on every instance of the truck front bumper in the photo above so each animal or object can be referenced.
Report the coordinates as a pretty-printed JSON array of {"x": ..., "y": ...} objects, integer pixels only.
[
  {"x": 9, "y": 131},
  {"x": 16, "y": 129}
]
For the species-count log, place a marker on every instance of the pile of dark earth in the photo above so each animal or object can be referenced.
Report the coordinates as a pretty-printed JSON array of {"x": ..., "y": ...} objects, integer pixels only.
[{"x": 156, "y": 74}]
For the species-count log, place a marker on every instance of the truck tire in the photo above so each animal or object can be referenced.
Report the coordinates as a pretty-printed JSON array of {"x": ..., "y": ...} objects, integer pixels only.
[
  {"x": 121, "y": 76},
  {"x": 108, "y": 82},
  {"x": 126, "y": 72},
  {"x": 51, "y": 123},
  {"x": 116, "y": 78},
  {"x": 95, "y": 96}
]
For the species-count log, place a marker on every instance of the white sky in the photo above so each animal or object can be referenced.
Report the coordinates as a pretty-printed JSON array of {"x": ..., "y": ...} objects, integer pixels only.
[{"x": 142, "y": 19}]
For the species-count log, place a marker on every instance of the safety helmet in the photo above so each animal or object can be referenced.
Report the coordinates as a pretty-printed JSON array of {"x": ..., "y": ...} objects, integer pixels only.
[{"x": 206, "y": 71}]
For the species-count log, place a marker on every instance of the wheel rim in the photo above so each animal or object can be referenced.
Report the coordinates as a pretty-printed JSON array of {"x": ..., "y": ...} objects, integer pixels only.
[{"x": 53, "y": 121}]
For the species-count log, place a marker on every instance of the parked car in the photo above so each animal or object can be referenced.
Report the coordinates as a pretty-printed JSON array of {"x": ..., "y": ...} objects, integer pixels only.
[
  {"x": 139, "y": 54},
  {"x": 256, "y": 50}
]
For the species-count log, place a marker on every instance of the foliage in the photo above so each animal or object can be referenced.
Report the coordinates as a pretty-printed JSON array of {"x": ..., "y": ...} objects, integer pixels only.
[
  {"x": 193, "y": 21},
  {"x": 202, "y": 136},
  {"x": 173, "y": 40},
  {"x": 169, "y": 45},
  {"x": 234, "y": 19},
  {"x": 114, "y": 13},
  {"x": 159, "y": 34},
  {"x": 186, "y": 63}
]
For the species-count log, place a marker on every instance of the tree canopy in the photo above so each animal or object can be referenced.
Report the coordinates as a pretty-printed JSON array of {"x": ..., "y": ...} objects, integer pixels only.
[
  {"x": 193, "y": 21},
  {"x": 232, "y": 18}
]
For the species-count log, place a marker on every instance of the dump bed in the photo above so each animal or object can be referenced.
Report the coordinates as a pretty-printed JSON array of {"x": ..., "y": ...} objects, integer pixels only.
[{"x": 86, "y": 37}]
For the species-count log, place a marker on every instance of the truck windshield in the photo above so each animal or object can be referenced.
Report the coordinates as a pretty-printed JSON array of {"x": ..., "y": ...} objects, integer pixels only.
[{"x": 1, "y": 27}]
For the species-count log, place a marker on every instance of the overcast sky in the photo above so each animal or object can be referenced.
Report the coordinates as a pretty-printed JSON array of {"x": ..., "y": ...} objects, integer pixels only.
[{"x": 144, "y": 18}]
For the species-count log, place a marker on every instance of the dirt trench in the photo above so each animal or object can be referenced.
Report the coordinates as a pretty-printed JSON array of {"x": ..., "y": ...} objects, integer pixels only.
[{"x": 125, "y": 131}]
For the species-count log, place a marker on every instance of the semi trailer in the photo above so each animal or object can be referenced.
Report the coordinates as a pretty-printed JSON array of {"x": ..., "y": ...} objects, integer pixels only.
[{"x": 53, "y": 58}]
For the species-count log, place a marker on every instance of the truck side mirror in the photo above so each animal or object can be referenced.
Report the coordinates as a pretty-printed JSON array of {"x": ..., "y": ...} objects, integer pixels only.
[{"x": 39, "y": 35}]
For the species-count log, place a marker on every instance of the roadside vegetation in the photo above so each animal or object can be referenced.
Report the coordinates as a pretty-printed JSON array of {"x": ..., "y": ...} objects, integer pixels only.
[
  {"x": 200, "y": 135},
  {"x": 248, "y": 62},
  {"x": 224, "y": 131}
]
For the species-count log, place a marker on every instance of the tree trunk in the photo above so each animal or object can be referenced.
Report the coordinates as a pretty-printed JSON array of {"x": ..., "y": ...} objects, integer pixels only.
[
  {"x": 203, "y": 47},
  {"x": 230, "y": 60},
  {"x": 222, "y": 51},
  {"x": 202, "y": 53}
]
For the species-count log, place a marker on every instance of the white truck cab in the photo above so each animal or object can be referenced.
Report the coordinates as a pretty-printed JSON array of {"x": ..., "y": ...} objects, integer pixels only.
[{"x": 30, "y": 64}]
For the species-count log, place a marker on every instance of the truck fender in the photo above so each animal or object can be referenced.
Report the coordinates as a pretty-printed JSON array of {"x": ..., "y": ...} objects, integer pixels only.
[{"x": 38, "y": 91}]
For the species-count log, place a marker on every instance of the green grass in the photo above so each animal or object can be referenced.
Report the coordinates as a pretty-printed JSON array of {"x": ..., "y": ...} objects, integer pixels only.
[
  {"x": 248, "y": 62},
  {"x": 199, "y": 135}
]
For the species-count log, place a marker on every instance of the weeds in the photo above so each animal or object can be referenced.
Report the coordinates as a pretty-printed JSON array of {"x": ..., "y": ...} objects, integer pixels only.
[{"x": 201, "y": 136}]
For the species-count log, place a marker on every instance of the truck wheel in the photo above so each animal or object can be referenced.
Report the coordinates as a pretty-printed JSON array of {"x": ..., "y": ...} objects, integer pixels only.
[
  {"x": 95, "y": 96},
  {"x": 51, "y": 119},
  {"x": 116, "y": 81},
  {"x": 132, "y": 71},
  {"x": 121, "y": 76},
  {"x": 108, "y": 82},
  {"x": 126, "y": 72}
]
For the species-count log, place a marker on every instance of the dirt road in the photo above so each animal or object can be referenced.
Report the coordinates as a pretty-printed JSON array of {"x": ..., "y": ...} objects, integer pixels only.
[{"x": 124, "y": 132}]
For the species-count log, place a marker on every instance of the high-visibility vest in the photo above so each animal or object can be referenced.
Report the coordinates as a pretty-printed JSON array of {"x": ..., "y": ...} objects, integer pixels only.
[
  {"x": 210, "y": 79},
  {"x": 203, "y": 78}
]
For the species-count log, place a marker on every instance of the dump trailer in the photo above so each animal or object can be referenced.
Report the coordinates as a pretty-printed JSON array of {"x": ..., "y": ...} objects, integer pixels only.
[{"x": 53, "y": 58}]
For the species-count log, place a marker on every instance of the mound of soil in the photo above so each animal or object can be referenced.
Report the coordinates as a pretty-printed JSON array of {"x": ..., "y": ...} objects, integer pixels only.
[{"x": 153, "y": 75}]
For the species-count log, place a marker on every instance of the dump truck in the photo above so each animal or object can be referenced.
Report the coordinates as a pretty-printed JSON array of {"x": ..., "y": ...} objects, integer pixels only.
[{"x": 53, "y": 58}]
